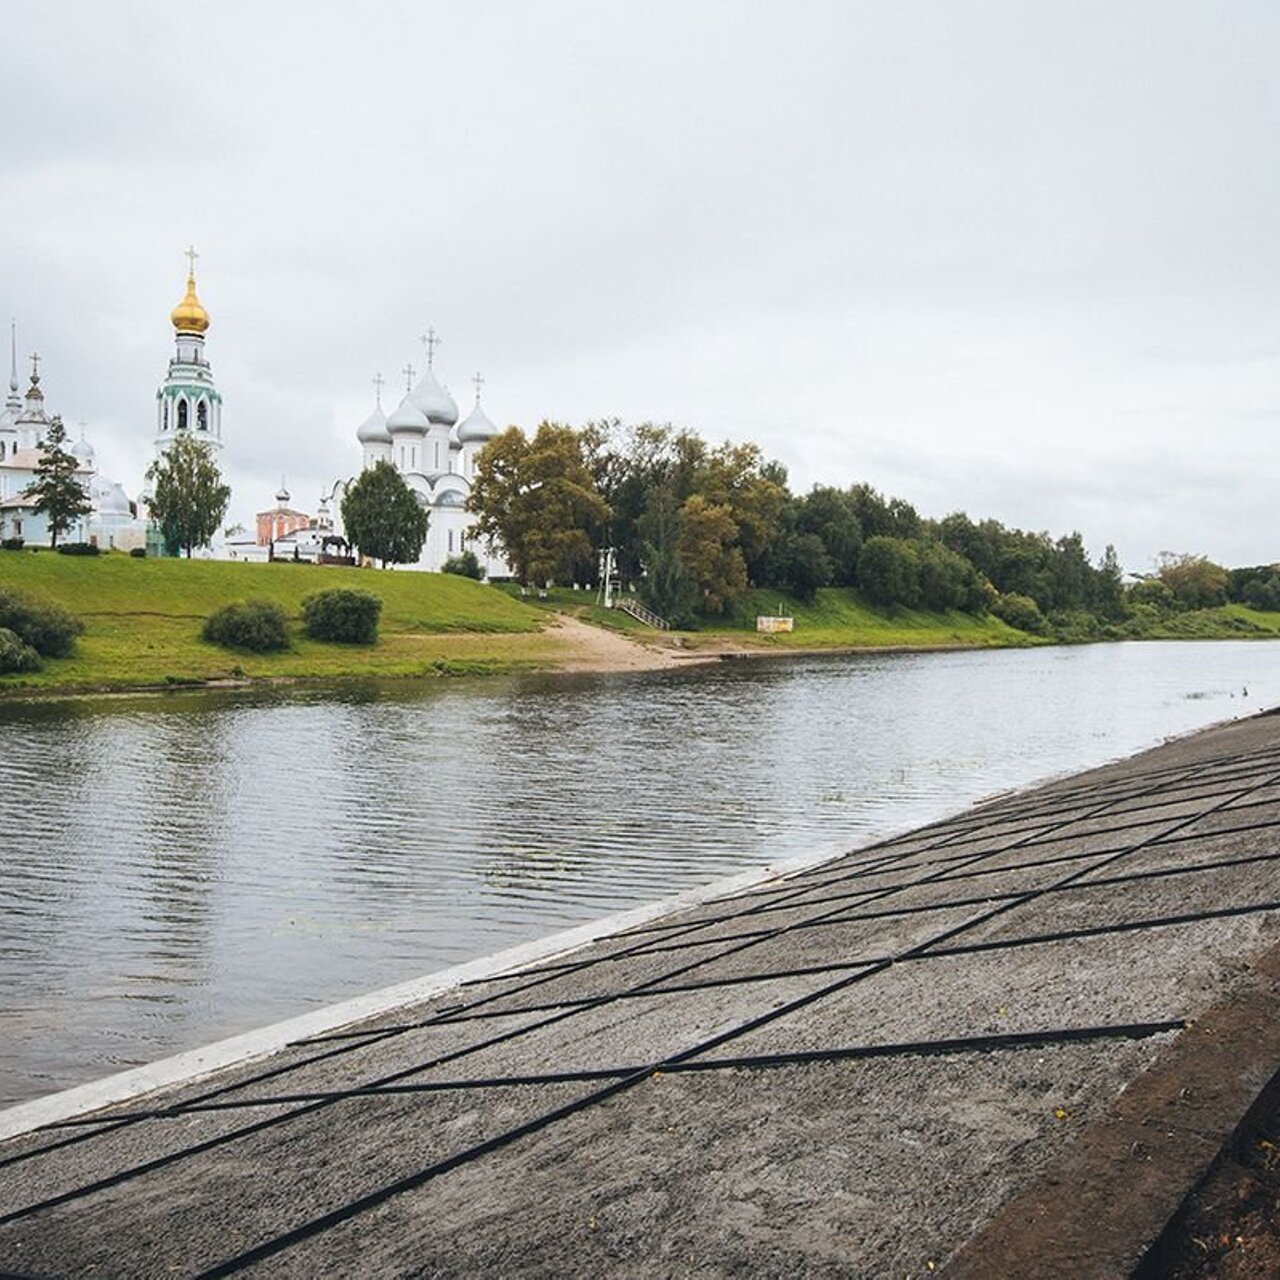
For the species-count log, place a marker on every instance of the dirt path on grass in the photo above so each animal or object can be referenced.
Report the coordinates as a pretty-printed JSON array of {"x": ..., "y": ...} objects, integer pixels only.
[{"x": 588, "y": 648}]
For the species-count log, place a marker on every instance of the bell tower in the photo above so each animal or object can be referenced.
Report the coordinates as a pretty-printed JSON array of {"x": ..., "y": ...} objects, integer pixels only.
[{"x": 187, "y": 400}]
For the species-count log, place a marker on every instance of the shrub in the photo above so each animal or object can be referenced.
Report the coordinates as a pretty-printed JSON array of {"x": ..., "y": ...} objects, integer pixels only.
[
  {"x": 343, "y": 616},
  {"x": 12, "y": 544},
  {"x": 255, "y": 625},
  {"x": 77, "y": 549},
  {"x": 48, "y": 628},
  {"x": 1021, "y": 612},
  {"x": 465, "y": 566},
  {"x": 15, "y": 654},
  {"x": 138, "y": 553}
]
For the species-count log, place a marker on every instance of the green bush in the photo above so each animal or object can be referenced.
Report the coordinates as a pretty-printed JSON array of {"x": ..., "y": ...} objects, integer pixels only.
[
  {"x": 1021, "y": 612},
  {"x": 138, "y": 553},
  {"x": 255, "y": 625},
  {"x": 15, "y": 654},
  {"x": 343, "y": 616},
  {"x": 12, "y": 544},
  {"x": 48, "y": 628},
  {"x": 465, "y": 566},
  {"x": 77, "y": 549}
]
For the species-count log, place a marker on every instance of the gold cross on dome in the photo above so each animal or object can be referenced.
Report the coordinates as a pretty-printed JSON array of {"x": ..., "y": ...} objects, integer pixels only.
[{"x": 191, "y": 255}]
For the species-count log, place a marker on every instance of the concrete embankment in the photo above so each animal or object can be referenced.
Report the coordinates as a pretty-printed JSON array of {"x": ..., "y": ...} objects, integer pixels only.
[{"x": 1006, "y": 1044}]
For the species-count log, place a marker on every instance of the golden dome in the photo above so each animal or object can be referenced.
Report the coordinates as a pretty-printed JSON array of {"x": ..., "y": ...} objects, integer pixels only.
[{"x": 189, "y": 316}]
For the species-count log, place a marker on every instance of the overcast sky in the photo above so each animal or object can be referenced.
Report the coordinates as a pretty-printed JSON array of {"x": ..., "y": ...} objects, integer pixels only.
[{"x": 1017, "y": 259}]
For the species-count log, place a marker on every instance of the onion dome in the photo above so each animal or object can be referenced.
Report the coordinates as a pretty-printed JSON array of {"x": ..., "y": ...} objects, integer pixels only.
[
  {"x": 189, "y": 316},
  {"x": 409, "y": 418},
  {"x": 108, "y": 498},
  {"x": 434, "y": 401},
  {"x": 282, "y": 495},
  {"x": 477, "y": 427},
  {"x": 83, "y": 452},
  {"x": 373, "y": 430}
]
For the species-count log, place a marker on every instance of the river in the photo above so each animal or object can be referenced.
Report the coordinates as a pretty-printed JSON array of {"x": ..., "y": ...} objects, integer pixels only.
[{"x": 178, "y": 868}]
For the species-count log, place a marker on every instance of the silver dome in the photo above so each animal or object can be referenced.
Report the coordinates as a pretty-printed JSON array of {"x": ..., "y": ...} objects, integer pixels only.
[
  {"x": 408, "y": 417},
  {"x": 434, "y": 401},
  {"x": 476, "y": 427},
  {"x": 373, "y": 430}
]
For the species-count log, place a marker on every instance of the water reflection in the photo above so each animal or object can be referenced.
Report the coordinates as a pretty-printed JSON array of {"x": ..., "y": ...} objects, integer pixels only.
[{"x": 175, "y": 869}]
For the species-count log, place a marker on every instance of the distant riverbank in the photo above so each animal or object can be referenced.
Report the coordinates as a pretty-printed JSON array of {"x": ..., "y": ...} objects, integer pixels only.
[{"x": 143, "y": 618}]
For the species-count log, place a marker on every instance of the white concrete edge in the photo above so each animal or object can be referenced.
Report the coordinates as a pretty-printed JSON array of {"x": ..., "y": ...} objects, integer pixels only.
[{"x": 183, "y": 1068}]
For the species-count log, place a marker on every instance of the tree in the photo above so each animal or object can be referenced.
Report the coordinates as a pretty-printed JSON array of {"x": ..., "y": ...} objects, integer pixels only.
[
  {"x": 383, "y": 517},
  {"x": 538, "y": 500},
  {"x": 807, "y": 566},
  {"x": 889, "y": 571},
  {"x": 58, "y": 494},
  {"x": 707, "y": 550},
  {"x": 665, "y": 587},
  {"x": 1196, "y": 582},
  {"x": 829, "y": 513},
  {"x": 947, "y": 579},
  {"x": 737, "y": 476},
  {"x": 188, "y": 497}
]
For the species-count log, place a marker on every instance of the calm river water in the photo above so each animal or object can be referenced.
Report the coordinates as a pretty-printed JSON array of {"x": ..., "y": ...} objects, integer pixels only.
[{"x": 175, "y": 869}]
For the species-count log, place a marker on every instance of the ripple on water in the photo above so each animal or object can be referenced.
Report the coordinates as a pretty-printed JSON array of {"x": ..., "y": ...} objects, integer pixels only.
[{"x": 177, "y": 869}]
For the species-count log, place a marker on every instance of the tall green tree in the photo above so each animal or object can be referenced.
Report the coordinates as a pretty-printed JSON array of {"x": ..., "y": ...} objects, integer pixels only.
[
  {"x": 666, "y": 586},
  {"x": 383, "y": 517},
  {"x": 188, "y": 496},
  {"x": 57, "y": 491},
  {"x": 537, "y": 499},
  {"x": 709, "y": 552}
]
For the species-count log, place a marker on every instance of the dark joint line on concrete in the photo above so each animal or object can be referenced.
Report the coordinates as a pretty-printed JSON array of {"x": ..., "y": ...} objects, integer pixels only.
[{"x": 1005, "y": 1041}]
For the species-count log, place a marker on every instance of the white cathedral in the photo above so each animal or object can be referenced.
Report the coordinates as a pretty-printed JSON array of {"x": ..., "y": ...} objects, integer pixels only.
[
  {"x": 435, "y": 455},
  {"x": 422, "y": 438},
  {"x": 111, "y": 522},
  {"x": 186, "y": 400}
]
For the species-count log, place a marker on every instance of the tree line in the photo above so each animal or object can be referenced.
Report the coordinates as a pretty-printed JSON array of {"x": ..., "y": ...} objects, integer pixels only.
[{"x": 695, "y": 526}]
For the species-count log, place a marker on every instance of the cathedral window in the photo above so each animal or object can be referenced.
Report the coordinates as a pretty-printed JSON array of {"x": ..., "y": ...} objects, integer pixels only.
[
  {"x": 437, "y": 455},
  {"x": 1, "y": 450},
  {"x": 202, "y": 415},
  {"x": 413, "y": 458},
  {"x": 182, "y": 415},
  {"x": 166, "y": 415},
  {"x": 451, "y": 542}
]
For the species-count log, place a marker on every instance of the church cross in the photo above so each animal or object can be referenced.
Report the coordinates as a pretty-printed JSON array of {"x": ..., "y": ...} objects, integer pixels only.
[
  {"x": 478, "y": 380},
  {"x": 378, "y": 382},
  {"x": 191, "y": 255},
  {"x": 408, "y": 372},
  {"x": 431, "y": 340},
  {"x": 35, "y": 366}
]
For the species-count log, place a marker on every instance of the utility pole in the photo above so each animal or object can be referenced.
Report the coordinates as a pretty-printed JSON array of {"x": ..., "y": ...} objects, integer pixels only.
[{"x": 606, "y": 576}]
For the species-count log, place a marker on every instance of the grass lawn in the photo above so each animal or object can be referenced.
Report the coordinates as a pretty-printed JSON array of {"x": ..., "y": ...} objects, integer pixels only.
[{"x": 143, "y": 618}]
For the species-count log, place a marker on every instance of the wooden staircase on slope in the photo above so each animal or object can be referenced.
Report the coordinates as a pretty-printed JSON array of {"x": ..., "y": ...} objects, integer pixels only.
[{"x": 640, "y": 613}]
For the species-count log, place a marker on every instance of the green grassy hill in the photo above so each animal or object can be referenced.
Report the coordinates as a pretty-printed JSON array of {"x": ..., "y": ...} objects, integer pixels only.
[
  {"x": 143, "y": 618},
  {"x": 840, "y": 617}
]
